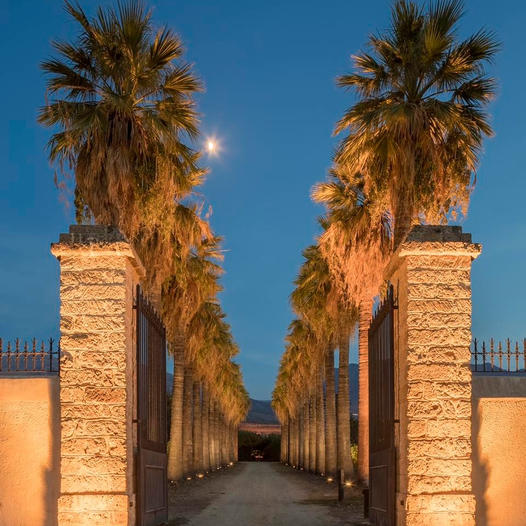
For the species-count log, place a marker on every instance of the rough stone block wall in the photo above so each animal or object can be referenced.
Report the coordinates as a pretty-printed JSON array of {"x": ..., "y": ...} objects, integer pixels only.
[
  {"x": 96, "y": 379},
  {"x": 434, "y": 378}
]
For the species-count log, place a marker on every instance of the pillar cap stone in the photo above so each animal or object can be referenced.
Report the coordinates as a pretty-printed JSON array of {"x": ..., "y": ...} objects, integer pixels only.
[
  {"x": 434, "y": 240},
  {"x": 96, "y": 241}
]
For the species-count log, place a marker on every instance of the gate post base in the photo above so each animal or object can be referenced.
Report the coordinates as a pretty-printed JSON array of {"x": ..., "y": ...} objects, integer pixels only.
[
  {"x": 440, "y": 510},
  {"x": 90, "y": 508},
  {"x": 431, "y": 275},
  {"x": 98, "y": 274}
]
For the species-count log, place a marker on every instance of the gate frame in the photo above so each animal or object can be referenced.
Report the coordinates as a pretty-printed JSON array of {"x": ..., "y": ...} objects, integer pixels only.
[
  {"x": 151, "y": 454},
  {"x": 383, "y": 458}
]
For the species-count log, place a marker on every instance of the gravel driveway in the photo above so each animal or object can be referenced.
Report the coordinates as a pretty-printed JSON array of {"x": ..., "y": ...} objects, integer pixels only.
[{"x": 262, "y": 494}]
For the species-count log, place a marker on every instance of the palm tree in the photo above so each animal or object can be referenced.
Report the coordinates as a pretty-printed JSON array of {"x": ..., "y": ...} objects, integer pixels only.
[
  {"x": 331, "y": 443},
  {"x": 320, "y": 422},
  {"x": 416, "y": 131},
  {"x": 195, "y": 280},
  {"x": 410, "y": 153},
  {"x": 313, "y": 428},
  {"x": 197, "y": 436},
  {"x": 123, "y": 101},
  {"x": 357, "y": 237},
  {"x": 318, "y": 299},
  {"x": 343, "y": 404},
  {"x": 188, "y": 417},
  {"x": 205, "y": 425},
  {"x": 363, "y": 389}
]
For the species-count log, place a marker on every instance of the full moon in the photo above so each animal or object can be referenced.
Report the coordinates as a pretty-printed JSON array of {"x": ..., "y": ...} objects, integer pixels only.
[{"x": 211, "y": 146}]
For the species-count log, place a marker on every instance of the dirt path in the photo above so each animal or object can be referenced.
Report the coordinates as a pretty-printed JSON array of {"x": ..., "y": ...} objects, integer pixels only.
[{"x": 262, "y": 494}]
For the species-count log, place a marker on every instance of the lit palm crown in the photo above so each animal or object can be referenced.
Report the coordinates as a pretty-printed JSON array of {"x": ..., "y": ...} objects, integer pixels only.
[
  {"x": 416, "y": 131},
  {"x": 123, "y": 103},
  {"x": 417, "y": 128},
  {"x": 413, "y": 139}
]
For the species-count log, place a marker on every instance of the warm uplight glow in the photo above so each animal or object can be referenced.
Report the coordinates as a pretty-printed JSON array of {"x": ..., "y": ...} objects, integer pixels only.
[
  {"x": 348, "y": 484},
  {"x": 188, "y": 478},
  {"x": 330, "y": 479},
  {"x": 200, "y": 475},
  {"x": 231, "y": 464}
]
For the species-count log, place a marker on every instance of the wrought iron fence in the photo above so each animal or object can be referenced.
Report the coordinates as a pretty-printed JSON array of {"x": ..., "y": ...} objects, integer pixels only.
[
  {"x": 21, "y": 357},
  {"x": 498, "y": 357}
]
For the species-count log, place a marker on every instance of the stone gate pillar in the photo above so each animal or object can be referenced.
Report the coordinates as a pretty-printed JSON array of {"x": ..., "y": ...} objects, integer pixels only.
[
  {"x": 98, "y": 274},
  {"x": 430, "y": 273}
]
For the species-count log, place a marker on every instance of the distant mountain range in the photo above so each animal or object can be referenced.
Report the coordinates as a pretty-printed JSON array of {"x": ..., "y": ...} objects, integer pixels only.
[{"x": 261, "y": 411}]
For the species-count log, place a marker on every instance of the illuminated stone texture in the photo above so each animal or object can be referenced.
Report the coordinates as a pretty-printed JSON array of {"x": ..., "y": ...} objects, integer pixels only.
[
  {"x": 98, "y": 275},
  {"x": 431, "y": 275}
]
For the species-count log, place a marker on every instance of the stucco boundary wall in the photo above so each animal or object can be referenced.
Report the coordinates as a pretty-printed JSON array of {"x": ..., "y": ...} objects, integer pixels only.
[
  {"x": 29, "y": 450},
  {"x": 430, "y": 273},
  {"x": 98, "y": 275},
  {"x": 499, "y": 449}
]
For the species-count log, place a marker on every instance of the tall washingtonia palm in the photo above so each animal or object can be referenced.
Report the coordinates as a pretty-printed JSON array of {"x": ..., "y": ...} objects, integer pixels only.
[
  {"x": 356, "y": 243},
  {"x": 194, "y": 282},
  {"x": 416, "y": 131},
  {"x": 123, "y": 102},
  {"x": 315, "y": 297},
  {"x": 411, "y": 150}
]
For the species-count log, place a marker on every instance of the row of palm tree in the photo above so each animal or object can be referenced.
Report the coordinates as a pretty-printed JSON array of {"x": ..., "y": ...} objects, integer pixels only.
[
  {"x": 316, "y": 416},
  {"x": 410, "y": 152},
  {"x": 121, "y": 102}
]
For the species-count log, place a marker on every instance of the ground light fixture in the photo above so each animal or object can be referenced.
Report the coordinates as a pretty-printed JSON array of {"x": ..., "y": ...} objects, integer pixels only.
[
  {"x": 330, "y": 479},
  {"x": 200, "y": 475}
]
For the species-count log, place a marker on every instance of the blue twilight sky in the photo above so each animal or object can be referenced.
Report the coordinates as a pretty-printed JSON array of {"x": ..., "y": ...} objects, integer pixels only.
[{"x": 269, "y": 69}]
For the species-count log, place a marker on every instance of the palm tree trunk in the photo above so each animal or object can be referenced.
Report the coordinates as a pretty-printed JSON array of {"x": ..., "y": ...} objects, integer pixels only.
[
  {"x": 213, "y": 431},
  {"x": 331, "y": 444},
  {"x": 224, "y": 442},
  {"x": 320, "y": 424},
  {"x": 403, "y": 214},
  {"x": 312, "y": 432},
  {"x": 306, "y": 442},
  {"x": 292, "y": 439},
  {"x": 188, "y": 452},
  {"x": 231, "y": 442},
  {"x": 284, "y": 453},
  {"x": 175, "y": 450},
  {"x": 344, "y": 409},
  {"x": 236, "y": 443},
  {"x": 366, "y": 307},
  {"x": 205, "y": 427},
  {"x": 300, "y": 438},
  {"x": 197, "y": 430}
]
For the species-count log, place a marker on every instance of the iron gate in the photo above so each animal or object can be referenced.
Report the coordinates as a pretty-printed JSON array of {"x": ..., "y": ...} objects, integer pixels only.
[
  {"x": 382, "y": 458},
  {"x": 152, "y": 486}
]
